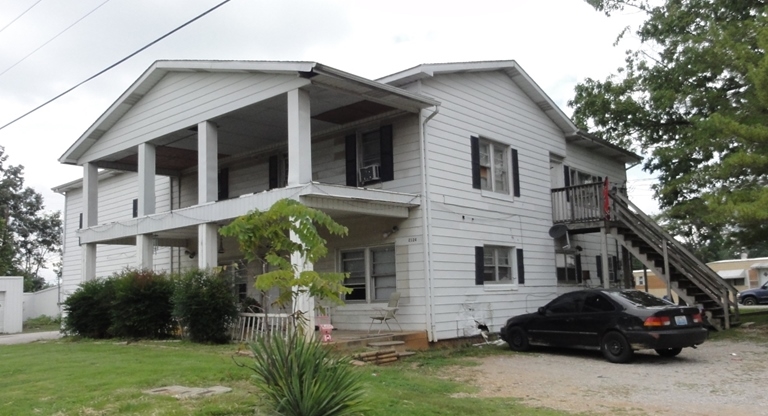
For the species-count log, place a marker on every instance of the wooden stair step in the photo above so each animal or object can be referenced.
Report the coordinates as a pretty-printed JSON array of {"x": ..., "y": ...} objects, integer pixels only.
[
  {"x": 405, "y": 354},
  {"x": 396, "y": 345}
]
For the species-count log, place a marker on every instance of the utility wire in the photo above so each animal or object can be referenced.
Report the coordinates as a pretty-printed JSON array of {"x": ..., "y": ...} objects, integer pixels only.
[
  {"x": 22, "y": 14},
  {"x": 116, "y": 63},
  {"x": 53, "y": 38}
]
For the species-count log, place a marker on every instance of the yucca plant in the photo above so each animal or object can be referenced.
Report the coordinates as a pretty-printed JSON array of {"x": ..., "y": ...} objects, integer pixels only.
[{"x": 302, "y": 378}]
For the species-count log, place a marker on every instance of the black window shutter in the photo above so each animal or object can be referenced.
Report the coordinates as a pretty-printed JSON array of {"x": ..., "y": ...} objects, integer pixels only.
[
  {"x": 615, "y": 267},
  {"x": 81, "y": 221},
  {"x": 475, "y": 144},
  {"x": 567, "y": 181},
  {"x": 387, "y": 170},
  {"x": 479, "y": 265},
  {"x": 135, "y": 208},
  {"x": 520, "y": 267},
  {"x": 350, "y": 150},
  {"x": 273, "y": 169},
  {"x": 515, "y": 174},
  {"x": 599, "y": 261},
  {"x": 223, "y": 184}
]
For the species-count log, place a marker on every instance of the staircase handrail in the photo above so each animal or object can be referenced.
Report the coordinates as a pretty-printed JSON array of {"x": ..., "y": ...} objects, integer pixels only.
[{"x": 688, "y": 258}]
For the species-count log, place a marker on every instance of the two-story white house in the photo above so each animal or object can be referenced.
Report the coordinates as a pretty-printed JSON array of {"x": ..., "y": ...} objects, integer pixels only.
[{"x": 443, "y": 173}]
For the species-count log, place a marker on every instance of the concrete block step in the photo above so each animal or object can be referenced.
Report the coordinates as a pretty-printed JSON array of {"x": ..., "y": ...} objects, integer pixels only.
[{"x": 405, "y": 354}]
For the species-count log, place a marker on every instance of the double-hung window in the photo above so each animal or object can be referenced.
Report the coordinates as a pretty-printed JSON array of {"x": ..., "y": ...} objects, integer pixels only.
[
  {"x": 494, "y": 167},
  {"x": 494, "y": 174},
  {"x": 499, "y": 265},
  {"x": 370, "y": 273}
]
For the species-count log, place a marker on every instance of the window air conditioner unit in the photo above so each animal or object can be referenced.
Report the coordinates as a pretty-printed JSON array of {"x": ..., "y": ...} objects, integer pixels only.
[{"x": 370, "y": 173}]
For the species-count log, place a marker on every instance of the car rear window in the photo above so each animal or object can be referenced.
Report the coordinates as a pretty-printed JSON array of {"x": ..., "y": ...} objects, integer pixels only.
[{"x": 640, "y": 298}]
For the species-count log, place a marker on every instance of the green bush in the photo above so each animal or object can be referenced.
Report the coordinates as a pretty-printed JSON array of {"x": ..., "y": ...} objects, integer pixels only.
[
  {"x": 300, "y": 377},
  {"x": 88, "y": 310},
  {"x": 142, "y": 307},
  {"x": 206, "y": 305}
]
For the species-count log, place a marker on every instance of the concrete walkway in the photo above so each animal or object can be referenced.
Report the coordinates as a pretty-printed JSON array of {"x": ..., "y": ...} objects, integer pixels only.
[{"x": 29, "y": 337}]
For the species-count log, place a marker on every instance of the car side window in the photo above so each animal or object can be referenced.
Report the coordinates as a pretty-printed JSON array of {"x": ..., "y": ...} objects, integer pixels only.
[
  {"x": 596, "y": 302},
  {"x": 564, "y": 304}
]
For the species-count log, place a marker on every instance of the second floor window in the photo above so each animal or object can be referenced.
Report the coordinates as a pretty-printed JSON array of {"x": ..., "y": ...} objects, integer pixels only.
[{"x": 493, "y": 167}]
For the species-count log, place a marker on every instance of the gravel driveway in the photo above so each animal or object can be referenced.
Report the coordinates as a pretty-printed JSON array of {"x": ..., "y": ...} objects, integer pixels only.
[{"x": 718, "y": 378}]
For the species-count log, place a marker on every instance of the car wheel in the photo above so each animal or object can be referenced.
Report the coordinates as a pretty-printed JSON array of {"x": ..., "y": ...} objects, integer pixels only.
[
  {"x": 669, "y": 352},
  {"x": 615, "y": 348},
  {"x": 749, "y": 301},
  {"x": 517, "y": 339}
]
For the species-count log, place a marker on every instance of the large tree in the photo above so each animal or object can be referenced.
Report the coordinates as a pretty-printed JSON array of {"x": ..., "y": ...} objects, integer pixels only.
[
  {"x": 694, "y": 97},
  {"x": 30, "y": 237}
]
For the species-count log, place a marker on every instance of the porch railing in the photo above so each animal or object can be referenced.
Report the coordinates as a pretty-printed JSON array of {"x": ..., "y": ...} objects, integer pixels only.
[
  {"x": 251, "y": 326},
  {"x": 580, "y": 203}
]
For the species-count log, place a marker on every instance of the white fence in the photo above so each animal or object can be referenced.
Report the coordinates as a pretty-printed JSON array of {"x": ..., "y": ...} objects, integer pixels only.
[
  {"x": 43, "y": 302},
  {"x": 251, "y": 326}
]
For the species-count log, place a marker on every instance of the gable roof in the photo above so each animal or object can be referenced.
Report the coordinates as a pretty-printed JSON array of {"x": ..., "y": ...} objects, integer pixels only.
[
  {"x": 316, "y": 72},
  {"x": 530, "y": 88}
]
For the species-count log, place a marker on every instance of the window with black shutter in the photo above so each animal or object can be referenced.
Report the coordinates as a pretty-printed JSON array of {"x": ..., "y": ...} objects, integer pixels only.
[
  {"x": 493, "y": 166},
  {"x": 369, "y": 156}
]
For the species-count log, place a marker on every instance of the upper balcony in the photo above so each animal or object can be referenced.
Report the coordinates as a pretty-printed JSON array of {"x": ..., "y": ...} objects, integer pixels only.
[{"x": 234, "y": 136}]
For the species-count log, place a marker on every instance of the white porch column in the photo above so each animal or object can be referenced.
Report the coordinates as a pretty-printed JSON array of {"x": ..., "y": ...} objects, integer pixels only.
[
  {"x": 207, "y": 249},
  {"x": 90, "y": 217},
  {"x": 145, "y": 251},
  {"x": 147, "y": 167},
  {"x": 299, "y": 138},
  {"x": 207, "y": 162},
  {"x": 302, "y": 301}
]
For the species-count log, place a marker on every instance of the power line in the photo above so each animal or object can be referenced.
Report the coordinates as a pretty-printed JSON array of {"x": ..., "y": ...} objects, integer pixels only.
[
  {"x": 53, "y": 38},
  {"x": 117, "y": 63},
  {"x": 19, "y": 16}
]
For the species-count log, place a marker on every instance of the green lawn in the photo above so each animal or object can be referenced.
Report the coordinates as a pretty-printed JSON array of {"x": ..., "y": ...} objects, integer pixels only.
[{"x": 107, "y": 378}]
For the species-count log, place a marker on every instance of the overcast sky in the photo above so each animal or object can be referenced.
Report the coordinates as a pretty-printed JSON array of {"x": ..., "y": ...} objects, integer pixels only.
[{"x": 558, "y": 42}]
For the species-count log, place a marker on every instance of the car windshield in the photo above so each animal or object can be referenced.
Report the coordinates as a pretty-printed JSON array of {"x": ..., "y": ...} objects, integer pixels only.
[{"x": 640, "y": 298}]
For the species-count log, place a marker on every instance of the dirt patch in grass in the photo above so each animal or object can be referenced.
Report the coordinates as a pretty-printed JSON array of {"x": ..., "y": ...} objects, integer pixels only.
[{"x": 720, "y": 377}]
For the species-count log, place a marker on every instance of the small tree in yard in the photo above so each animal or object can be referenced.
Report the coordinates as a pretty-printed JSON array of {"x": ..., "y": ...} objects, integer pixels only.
[
  {"x": 267, "y": 237},
  {"x": 297, "y": 374}
]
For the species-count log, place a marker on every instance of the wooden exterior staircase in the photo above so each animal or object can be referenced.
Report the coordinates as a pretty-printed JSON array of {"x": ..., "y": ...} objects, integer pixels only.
[{"x": 601, "y": 207}]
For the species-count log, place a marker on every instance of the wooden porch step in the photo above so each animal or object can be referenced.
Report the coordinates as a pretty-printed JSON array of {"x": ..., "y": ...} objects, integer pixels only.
[{"x": 398, "y": 346}]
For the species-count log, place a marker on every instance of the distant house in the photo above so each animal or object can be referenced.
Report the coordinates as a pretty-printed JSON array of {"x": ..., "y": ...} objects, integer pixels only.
[
  {"x": 464, "y": 187},
  {"x": 743, "y": 273}
]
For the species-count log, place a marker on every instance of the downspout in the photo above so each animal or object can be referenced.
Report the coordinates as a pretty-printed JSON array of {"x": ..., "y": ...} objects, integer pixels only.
[{"x": 427, "y": 229}]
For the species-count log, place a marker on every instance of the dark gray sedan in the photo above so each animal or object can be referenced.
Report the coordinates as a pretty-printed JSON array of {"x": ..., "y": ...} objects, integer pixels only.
[{"x": 616, "y": 322}]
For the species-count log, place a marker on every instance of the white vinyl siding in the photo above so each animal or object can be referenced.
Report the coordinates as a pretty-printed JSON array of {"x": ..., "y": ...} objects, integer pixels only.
[{"x": 487, "y": 105}]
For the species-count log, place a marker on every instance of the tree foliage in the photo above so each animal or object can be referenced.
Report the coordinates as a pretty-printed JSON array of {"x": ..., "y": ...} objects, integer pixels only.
[
  {"x": 266, "y": 237},
  {"x": 30, "y": 238},
  {"x": 694, "y": 96}
]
